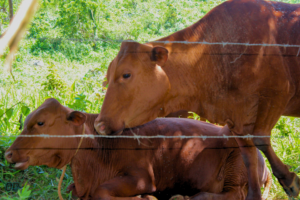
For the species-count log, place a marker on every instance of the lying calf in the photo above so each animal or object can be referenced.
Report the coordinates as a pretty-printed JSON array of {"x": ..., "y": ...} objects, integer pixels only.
[{"x": 121, "y": 169}]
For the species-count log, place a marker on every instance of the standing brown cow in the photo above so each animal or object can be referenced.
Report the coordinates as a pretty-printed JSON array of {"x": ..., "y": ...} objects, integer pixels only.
[
  {"x": 246, "y": 87},
  {"x": 121, "y": 168}
]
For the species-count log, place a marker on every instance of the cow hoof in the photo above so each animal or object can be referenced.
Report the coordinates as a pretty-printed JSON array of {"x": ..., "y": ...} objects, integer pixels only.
[
  {"x": 293, "y": 189},
  {"x": 179, "y": 197}
]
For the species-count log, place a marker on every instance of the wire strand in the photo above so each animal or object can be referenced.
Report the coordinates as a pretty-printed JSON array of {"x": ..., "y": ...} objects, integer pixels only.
[
  {"x": 147, "y": 136},
  {"x": 177, "y": 42}
]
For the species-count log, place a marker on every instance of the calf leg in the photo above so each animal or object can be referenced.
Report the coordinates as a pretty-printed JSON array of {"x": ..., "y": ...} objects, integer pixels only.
[
  {"x": 71, "y": 188},
  {"x": 148, "y": 197},
  {"x": 126, "y": 187},
  {"x": 237, "y": 194}
]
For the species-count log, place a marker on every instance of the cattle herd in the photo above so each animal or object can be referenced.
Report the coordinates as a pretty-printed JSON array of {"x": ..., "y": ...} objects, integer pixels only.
[{"x": 230, "y": 67}]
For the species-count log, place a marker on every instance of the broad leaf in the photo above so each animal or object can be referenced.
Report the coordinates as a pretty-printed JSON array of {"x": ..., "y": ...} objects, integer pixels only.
[{"x": 25, "y": 110}]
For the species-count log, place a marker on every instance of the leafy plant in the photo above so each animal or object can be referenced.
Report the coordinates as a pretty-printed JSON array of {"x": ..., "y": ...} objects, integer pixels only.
[
  {"x": 77, "y": 18},
  {"x": 80, "y": 103},
  {"x": 23, "y": 194},
  {"x": 53, "y": 80}
]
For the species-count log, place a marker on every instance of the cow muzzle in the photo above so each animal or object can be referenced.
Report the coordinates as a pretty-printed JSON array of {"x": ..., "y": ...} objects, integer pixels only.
[
  {"x": 8, "y": 156},
  {"x": 102, "y": 128},
  {"x": 20, "y": 164}
]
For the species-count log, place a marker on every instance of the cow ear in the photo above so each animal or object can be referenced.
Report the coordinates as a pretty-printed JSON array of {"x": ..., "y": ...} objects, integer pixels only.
[
  {"x": 159, "y": 55},
  {"x": 77, "y": 118}
]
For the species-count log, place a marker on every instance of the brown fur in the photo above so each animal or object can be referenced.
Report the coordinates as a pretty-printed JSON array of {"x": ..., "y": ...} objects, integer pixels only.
[
  {"x": 247, "y": 88},
  {"x": 112, "y": 168}
]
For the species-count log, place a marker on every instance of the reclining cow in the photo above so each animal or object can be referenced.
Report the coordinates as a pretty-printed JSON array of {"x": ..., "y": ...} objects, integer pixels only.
[{"x": 106, "y": 168}]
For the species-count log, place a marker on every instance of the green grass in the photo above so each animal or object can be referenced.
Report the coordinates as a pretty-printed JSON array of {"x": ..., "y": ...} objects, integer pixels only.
[
  {"x": 81, "y": 89},
  {"x": 73, "y": 72},
  {"x": 287, "y": 149}
]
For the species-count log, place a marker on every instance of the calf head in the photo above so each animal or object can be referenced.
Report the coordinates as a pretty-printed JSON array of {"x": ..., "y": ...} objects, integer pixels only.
[
  {"x": 50, "y": 118},
  {"x": 137, "y": 87}
]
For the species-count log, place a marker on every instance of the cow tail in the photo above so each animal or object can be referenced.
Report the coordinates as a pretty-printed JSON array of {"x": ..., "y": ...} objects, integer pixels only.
[{"x": 267, "y": 185}]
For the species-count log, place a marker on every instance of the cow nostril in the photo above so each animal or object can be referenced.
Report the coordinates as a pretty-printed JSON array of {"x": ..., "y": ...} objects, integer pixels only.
[
  {"x": 100, "y": 128},
  {"x": 8, "y": 155}
]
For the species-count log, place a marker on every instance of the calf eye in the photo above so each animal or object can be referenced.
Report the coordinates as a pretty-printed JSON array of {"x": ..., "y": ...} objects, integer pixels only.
[
  {"x": 40, "y": 123},
  {"x": 126, "y": 75}
]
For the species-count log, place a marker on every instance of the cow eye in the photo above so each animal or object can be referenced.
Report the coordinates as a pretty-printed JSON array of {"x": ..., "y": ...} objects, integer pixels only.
[
  {"x": 126, "y": 76},
  {"x": 40, "y": 123}
]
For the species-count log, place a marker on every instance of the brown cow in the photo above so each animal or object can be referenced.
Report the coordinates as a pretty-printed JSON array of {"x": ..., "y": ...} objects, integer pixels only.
[
  {"x": 246, "y": 87},
  {"x": 108, "y": 168}
]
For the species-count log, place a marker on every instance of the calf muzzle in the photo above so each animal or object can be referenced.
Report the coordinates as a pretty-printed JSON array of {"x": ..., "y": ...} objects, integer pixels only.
[{"x": 8, "y": 156}]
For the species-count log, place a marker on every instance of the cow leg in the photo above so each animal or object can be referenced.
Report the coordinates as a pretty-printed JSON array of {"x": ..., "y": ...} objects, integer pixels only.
[
  {"x": 137, "y": 182},
  {"x": 265, "y": 121},
  {"x": 269, "y": 109},
  {"x": 288, "y": 180},
  {"x": 249, "y": 155}
]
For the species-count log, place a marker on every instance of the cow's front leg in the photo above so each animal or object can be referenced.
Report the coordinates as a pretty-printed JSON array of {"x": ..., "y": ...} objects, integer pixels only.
[
  {"x": 127, "y": 187},
  {"x": 289, "y": 180},
  {"x": 271, "y": 109}
]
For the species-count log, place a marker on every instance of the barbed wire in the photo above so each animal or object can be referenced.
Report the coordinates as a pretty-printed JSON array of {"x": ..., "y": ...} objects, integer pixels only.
[
  {"x": 163, "y": 136},
  {"x": 142, "y": 148},
  {"x": 229, "y": 43},
  {"x": 138, "y": 137},
  {"x": 179, "y": 42},
  {"x": 204, "y": 137}
]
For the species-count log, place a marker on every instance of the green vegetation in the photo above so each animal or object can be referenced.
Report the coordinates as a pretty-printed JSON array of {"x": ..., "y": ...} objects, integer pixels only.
[{"x": 65, "y": 55}]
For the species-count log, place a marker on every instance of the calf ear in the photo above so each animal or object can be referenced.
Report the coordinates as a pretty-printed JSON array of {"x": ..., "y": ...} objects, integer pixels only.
[
  {"x": 159, "y": 55},
  {"x": 77, "y": 118}
]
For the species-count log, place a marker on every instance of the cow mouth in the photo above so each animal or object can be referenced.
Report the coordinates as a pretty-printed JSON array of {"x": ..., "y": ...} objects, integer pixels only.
[
  {"x": 22, "y": 165},
  {"x": 105, "y": 131},
  {"x": 118, "y": 132}
]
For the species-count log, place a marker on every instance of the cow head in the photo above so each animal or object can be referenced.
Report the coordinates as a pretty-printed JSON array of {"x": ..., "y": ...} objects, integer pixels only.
[
  {"x": 137, "y": 87},
  {"x": 50, "y": 118}
]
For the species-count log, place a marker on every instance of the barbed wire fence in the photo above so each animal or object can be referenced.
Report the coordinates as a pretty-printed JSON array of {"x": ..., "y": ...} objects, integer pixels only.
[
  {"x": 137, "y": 137},
  {"x": 204, "y": 137},
  {"x": 175, "y": 42}
]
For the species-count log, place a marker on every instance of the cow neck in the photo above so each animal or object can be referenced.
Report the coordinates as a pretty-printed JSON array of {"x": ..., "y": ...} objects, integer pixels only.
[
  {"x": 185, "y": 70},
  {"x": 184, "y": 83},
  {"x": 65, "y": 167}
]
